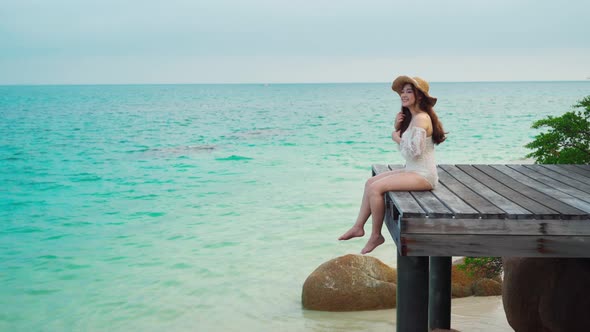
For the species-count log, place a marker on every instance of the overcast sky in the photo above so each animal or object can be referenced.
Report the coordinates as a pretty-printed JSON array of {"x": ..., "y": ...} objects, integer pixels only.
[{"x": 270, "y": 41}]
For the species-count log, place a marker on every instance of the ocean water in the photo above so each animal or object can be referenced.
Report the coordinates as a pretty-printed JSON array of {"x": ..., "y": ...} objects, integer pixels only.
[{"x": 205, "y": 207}]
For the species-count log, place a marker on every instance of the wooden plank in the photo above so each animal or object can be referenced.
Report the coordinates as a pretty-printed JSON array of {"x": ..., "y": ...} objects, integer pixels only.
[
  {"x": 557, "y": 190},
  {"x": 403, "y": 200},
  {"x": 485, "y": 208},
  {"x": 561, "y": 170},
  {"x": 534, "y": 190},
  {"x": 573, "y": 183},
  {"x": 432, "y": 205},
  {"x": 378, "y": 169},
  {"x": 577, "y": 169},
  {"x": 459, "y": 208},
  {"x": 406, "y": 204},
  {"x": 490, "y": 205},
  {"x": 539, "y": 210},
  {"x": 496, "y": 245},
  {"x": 584, "y": 166},
  {"x": 451, "y": 226}
]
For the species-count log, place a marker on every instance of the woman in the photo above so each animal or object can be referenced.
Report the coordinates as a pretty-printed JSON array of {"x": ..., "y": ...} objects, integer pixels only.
[{"x": 417, "y": 129}]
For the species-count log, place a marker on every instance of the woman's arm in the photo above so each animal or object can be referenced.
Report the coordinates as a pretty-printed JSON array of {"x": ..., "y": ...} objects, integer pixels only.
[
  {"x": 395, "y": 136},
  {"x": 413, "y": 146}
]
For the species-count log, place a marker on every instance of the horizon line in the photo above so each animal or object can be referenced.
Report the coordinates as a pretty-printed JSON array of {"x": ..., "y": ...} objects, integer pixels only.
[{"x": 280, "y": 83}]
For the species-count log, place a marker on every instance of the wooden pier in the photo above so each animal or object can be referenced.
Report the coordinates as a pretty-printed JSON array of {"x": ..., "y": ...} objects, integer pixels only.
[{"x": 481, "y": 210}]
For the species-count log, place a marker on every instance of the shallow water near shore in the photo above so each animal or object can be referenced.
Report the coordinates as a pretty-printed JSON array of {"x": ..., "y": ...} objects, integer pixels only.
[{"x": 205, "y": 207}]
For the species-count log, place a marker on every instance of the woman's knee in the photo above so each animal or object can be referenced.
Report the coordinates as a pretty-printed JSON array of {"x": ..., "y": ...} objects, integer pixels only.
[{"x": 374, "y": 190}]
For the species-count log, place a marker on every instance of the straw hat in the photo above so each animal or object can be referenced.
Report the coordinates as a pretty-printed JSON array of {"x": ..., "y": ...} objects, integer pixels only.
[{"x": 420, "y": 84}]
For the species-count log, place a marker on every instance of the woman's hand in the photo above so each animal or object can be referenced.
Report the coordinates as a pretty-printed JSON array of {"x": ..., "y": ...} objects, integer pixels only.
[
  {"x": 399, "y": 118},
  {"x": 395, "y": 136}
]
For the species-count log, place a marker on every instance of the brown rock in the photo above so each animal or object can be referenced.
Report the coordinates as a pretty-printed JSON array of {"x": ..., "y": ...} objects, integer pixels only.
[
  {"x": 487, "y": 287},
  {"x": 547, "y": 294},
  {"x": 464, "y": 284},
  {"x": 461, "y": 281},
  {"x": 349, "y": 283}
]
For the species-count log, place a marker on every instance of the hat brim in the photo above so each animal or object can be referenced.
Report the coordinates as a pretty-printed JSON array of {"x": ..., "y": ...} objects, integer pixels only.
[{"x": 400, "y": 81}]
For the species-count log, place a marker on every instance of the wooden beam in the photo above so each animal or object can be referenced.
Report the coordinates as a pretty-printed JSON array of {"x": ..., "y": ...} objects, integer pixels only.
[
  {"x": 392, "y": 223},
  {"x": 496, "y": 226},
  {"x": 495, "y": 245}
]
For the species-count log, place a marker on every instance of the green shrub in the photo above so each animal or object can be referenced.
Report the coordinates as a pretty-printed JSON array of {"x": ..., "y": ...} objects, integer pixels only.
[
  {"x": 483, "y": 267},
  {"x": 567, "y": 139}
]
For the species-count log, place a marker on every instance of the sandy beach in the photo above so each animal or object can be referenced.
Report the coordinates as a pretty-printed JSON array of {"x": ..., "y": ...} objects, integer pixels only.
[{"x": 483, "y": 314}]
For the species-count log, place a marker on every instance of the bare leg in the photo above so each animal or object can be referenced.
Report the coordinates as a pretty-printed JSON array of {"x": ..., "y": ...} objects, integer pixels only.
[
  {"x": 357, "y": 230},
  {"x": 396, "y": 182}
]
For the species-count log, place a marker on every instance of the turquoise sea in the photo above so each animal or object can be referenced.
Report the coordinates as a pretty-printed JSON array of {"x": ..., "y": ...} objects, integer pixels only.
[{"x": 205, "y": 207}]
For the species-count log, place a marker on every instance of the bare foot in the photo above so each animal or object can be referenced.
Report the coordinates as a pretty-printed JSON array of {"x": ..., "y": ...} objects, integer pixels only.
[
  {"x": 373, "y": 243},
  {"x": 353, "y": 232}
]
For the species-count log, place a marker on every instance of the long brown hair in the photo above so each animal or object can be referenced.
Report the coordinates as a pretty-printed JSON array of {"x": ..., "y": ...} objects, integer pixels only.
[{"x": 438, "y": 133}]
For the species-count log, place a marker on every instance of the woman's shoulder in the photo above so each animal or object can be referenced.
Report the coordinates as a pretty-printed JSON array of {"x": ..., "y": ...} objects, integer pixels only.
[
  {"x": 422, "y": 120},
  {"x": 423, "y": 116}
]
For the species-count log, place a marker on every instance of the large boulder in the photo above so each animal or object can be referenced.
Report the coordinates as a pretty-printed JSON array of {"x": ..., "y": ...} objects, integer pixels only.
[
  {"x": 355, "y": 282},
  {"x": 349, "y": 283},
  {"x": 465, "y": 284},
  {"x": 461, "y": 281},
  {"x": 547, "y": 294},
  {"x": 487, "y": 287}
]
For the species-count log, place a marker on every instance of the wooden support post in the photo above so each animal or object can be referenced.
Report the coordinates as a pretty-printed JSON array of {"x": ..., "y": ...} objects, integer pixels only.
[
  {"x": 439, "y": 297},
  {"x": 412, "y": 294}
]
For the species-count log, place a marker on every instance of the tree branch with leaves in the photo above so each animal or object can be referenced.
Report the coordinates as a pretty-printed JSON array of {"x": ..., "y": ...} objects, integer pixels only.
[{"x": 567, "y": 139}]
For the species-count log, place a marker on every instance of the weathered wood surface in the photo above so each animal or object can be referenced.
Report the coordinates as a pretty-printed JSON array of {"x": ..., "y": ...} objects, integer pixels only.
[
  {"x": 520, "y": 195},
  {"x": 493, "y": 210},
  {"x": 556, "y": 178},
  {"x": 481, "y": 197},
  {"x": 495, "y": 245},
  {"x": 498, "y": 227},
  {"x": 551, "y": 197},
  {"x": 571, "y": 174}
]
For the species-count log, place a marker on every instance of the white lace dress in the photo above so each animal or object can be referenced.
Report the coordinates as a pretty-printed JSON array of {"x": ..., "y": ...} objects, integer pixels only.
[{"x": 418, "y": 151}]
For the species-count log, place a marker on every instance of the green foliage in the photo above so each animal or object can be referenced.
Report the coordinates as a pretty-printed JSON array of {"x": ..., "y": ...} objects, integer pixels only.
[
  {"x": 567, "y": 140},
  {"x": 483, "y": 267}
]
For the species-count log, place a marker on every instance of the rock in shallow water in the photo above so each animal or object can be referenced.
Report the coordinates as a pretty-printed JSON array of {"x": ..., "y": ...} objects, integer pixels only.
[
  {"x": 466, "y": 284},
  {"x": 350, "y": 283},
  {"x": 487, "y": 287},
  {"x": 355, "y": 282}
]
